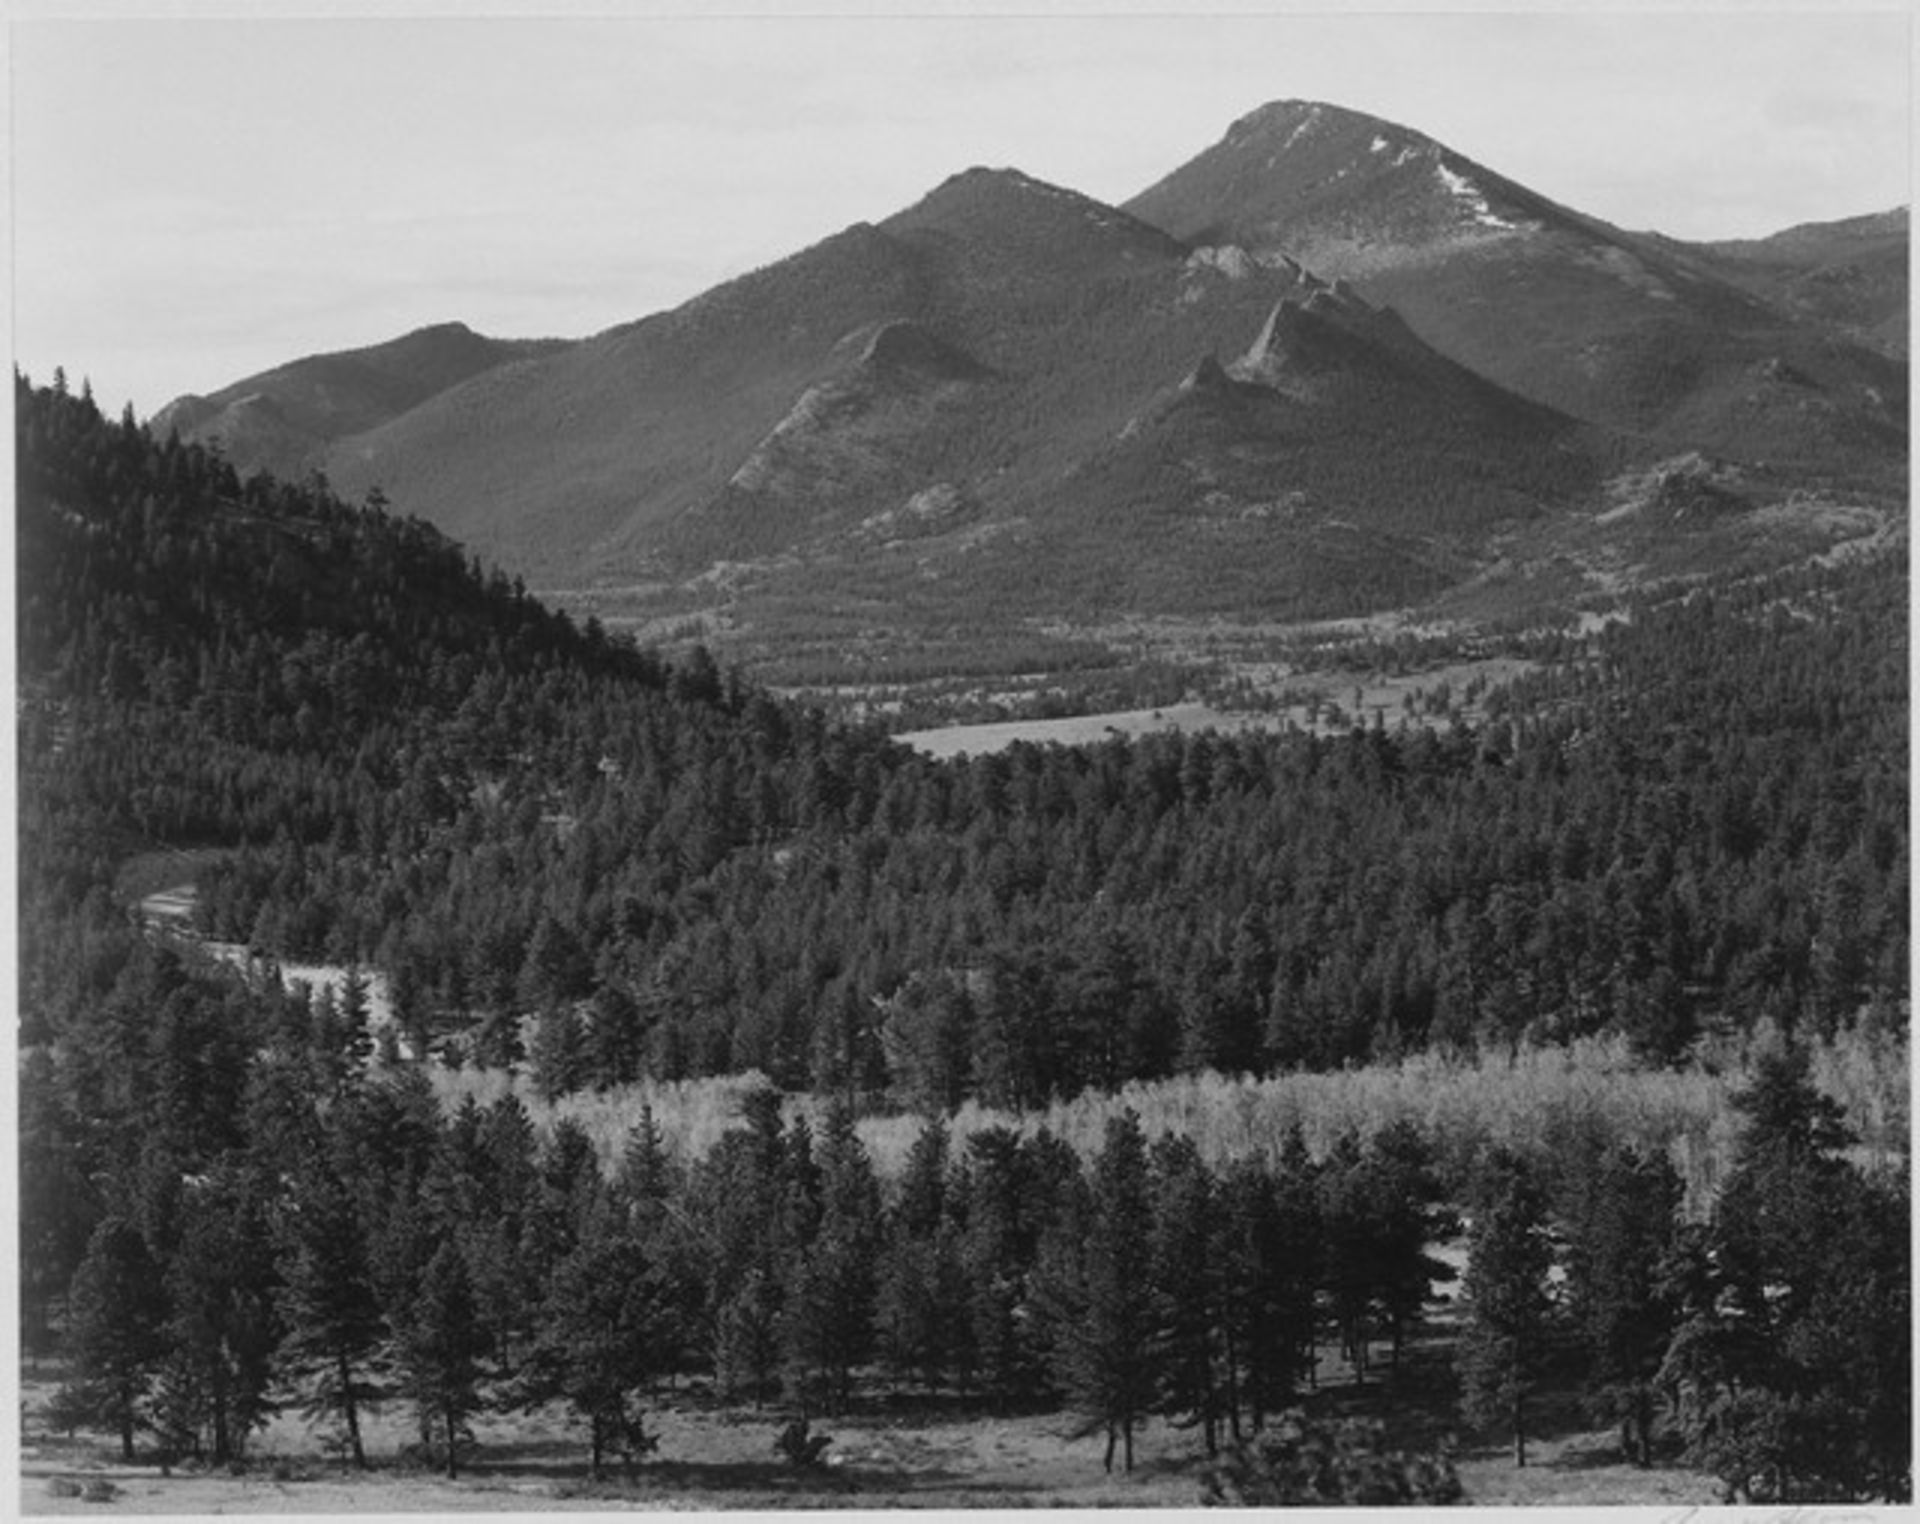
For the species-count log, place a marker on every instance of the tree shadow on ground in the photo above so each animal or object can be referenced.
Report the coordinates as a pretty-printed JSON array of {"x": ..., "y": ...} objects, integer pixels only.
[
  {"x": 748, "y": 1484},
  {"x": 561, "y": 1464}
]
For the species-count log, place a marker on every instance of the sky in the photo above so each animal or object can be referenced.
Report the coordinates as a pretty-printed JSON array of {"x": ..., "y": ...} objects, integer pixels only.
[{"x": 199, "y": 198}]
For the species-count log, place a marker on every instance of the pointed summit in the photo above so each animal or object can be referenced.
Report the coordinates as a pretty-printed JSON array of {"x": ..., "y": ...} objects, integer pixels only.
[
  {"x": 1323, "y": 183},
  {"x": 1321, "y": 126},
  {"x": 997, "y": 221}
]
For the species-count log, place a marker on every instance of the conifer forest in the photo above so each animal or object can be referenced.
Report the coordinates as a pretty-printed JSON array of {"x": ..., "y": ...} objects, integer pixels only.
[{"x": 563, "y": 876}]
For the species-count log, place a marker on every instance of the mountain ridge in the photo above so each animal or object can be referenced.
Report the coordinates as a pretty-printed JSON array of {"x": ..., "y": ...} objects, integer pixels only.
[
  {"x": 1008, "y": 399},
  {"x": 284, "y": 419},
  {"x": 1623, "y": 329}
]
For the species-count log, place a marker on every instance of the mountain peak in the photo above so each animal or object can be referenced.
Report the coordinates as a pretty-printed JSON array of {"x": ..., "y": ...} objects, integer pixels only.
[
  {"x": 1339, "y": 188},
  {"x": 1311, "y": 330},
  {"x": 1285, "y": 125},
  {"x": 980, "y": 189},
  {"x": 1303, "y": 118},
  {"x": 1005, "y": 216},
  {"x": 454, "y": 329}
]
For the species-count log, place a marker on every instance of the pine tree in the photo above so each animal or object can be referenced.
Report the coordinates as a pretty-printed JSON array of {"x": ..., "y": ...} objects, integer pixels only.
[
  {"x": 1187, "y": 1275},
  {"x": 827, "y": 1323},
  {"x": 648, "y": 1178},
  {"x": 599, "y": 1338},
  {"x": 439, "y": 1346},
  {"x": 1105, "y": 1311},
  {"x": 221, "y": 1331},
  {"x": 922, "y": 1286},
  {"x": 1266, "y": 1248},
  {"x": 508, "y": 1250},
  {"x": 747, "y": 1208},
  {"x": 921, "y": 1283},
  {"x": 1621, "y": 1234},
  {"x": 117, "y": 1309},
  {"x": 746, "y": 1335},
  {"x": 58, "y": 1204},
  {"x": 557, "y": 1055},
  {"x": 927, "y": 1040},
  {"x": 1812, "y": 1397},
  {"x": 1410, "y": 1216},
  {"x": 997, "y": 1247},
  {"x": 328, "y": 1309},
  {"x": 356, "y": 1018},
  {"x": 1508, "y": 1303},
  {"x": 1352, "y": 1232}
]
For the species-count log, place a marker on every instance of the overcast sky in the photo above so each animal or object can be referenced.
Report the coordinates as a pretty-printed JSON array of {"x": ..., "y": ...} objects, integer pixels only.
[{"x": 196, "y": 200}]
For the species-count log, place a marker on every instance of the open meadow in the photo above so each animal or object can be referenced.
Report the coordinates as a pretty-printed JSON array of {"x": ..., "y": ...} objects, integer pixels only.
[{"x": 935, "y": 1452}]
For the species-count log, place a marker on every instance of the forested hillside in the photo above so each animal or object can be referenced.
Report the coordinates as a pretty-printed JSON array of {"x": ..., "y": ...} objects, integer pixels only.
[
  {"x": 1693, "y": 818},
  {"x": 568, "y": 856}
]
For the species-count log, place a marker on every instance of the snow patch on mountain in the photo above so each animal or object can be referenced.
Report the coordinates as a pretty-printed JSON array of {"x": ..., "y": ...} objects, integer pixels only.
[
  {"x": 1470, "y": 196},
  {"x": 1306, "y": 124}
]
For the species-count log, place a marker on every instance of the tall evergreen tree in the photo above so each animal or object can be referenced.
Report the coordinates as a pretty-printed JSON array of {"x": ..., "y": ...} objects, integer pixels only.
[
  {"x": 1188, "y": 1278},
  {"x": 1267, "y": 1247},
  {"x": 440, "y": 1346},
  {"x": 116, "y": 1318},
  {"x": 1509, "y": 1306},
  {"x": 329, "y": 1313},
  {"x": 828, "y": 1318},
  {"x": 599, "y": 1338},
  {"x": 997, "y": 1249},
  {"x": 1410, "y": 1217},
  {"x": 1352, "y": 1230},
  {"x": 221, "y": 1331},
  {"x": 921, "y": 1286},
  {"x": 1814, "y": 1400},
  {"x": 1621, "y": 1233},
  {"x": 1106, "y": 1313}
]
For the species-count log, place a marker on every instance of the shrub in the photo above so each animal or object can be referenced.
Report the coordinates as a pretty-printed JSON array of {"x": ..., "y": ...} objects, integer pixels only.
[{"x": 1316, "y": 1463}]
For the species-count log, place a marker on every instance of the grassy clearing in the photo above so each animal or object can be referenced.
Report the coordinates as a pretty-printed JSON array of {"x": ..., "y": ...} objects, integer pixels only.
[
  {"x": 1318, "y": 702},
  {"x": 918, "y": 1452},
  {"x": 1081, "y": 730}
]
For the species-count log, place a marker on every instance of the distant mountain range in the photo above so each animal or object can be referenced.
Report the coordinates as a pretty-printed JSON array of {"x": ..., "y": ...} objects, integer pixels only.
[{"x": 1326, "y": 367}]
